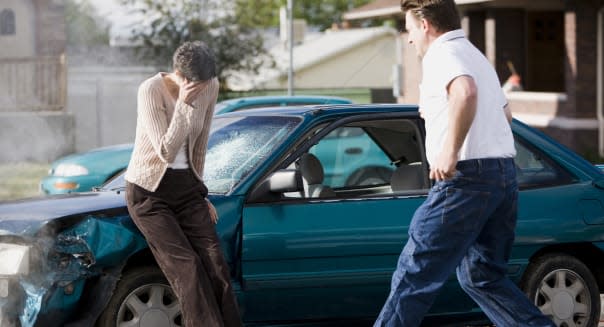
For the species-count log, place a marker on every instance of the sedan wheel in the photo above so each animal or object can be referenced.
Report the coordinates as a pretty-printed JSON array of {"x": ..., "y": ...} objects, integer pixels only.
[
  {"x": 151, "y": 305},
  {"x": 143, "y": 298},
  {"x": 564, "y": 289}
]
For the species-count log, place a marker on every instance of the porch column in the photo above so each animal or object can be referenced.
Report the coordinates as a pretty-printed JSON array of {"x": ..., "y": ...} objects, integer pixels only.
[{"x": 505, "y": 41}]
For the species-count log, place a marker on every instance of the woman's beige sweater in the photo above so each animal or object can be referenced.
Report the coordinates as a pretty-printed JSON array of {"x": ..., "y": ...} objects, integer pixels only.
[{"x": 163, "y": 125}]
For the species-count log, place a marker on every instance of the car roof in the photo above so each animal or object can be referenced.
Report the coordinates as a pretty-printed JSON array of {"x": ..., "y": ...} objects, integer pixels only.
[
  {"x": 324, "y": 109},
  {"x": 268, "y": 99}
]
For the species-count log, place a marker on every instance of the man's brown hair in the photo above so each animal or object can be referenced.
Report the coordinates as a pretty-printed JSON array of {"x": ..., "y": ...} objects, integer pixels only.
[{"x": 442, "y": 14}]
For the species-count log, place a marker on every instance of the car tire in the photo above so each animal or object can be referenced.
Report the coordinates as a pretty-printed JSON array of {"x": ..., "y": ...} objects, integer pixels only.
[
  {"x": 564, "y": 289},
  {"x": 142, "y": 298}
]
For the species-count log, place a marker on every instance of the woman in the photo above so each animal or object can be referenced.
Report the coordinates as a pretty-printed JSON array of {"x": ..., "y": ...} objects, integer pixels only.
[{"x": 165, "y": 193}]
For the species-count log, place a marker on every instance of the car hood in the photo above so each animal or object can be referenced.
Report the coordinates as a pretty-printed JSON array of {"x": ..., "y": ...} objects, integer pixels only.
[
  {"x": 28, "y": 216},
  {"x": 99, "y": 161},
  {"x": 95, "y": 154}
]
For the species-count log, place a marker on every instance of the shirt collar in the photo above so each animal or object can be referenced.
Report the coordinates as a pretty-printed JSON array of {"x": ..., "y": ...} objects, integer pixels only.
[{"x": 448, "y": 36}]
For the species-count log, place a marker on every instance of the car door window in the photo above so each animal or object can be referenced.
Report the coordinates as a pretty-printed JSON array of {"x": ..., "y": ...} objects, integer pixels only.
[
  {"x": 363, "y": 157},
  {"x": 351, "y": 158},
  {"x": 534, "y": 170}
]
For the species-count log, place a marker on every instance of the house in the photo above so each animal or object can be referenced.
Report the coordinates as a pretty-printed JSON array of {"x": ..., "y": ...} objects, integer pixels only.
[
  {"x": 337, "y": 58},
  {"x": 32, "y": 88},
  {"x": 554, "y": 45}
]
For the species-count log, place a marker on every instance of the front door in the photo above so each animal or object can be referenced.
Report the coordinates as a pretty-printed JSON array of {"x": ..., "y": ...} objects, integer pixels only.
[{"x": 316, "y": 257}]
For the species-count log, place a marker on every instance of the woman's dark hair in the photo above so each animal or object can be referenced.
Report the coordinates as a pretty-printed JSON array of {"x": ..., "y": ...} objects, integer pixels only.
[
  {"x": 442, "y": 14},
  {"x": 195, "y": 61}
]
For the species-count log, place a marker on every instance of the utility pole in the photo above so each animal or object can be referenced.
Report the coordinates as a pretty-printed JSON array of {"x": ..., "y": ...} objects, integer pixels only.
[{"x": 290, "y": 39}]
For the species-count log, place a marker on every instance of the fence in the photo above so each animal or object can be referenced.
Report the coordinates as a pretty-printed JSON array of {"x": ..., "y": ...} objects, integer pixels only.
[{"x": 32, "y": 84}]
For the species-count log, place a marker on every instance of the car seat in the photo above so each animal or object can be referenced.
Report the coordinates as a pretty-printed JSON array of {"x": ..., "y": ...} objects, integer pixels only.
[
  {"x": 408, "y": 177},
  {"x": 311, "y": 171}
]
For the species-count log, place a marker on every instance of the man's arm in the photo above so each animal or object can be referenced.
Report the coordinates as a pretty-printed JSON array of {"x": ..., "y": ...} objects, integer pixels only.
[{"x": 462, "y": 95}]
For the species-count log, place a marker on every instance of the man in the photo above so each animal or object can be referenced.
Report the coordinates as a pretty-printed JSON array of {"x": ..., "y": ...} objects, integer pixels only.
[
  {"x": 165, "y": 194},
  {"x": 467, "y": 221}
]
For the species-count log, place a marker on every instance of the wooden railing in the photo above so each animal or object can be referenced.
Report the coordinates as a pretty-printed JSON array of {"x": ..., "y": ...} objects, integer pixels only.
[{"x": 32, "y": 84}]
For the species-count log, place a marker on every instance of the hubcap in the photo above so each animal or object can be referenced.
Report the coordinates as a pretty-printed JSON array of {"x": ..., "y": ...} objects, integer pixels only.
[
  {"x": 564, "y": 298},
  {"x": 151, "y": 305},
  {"x": 155, "y": 317}
]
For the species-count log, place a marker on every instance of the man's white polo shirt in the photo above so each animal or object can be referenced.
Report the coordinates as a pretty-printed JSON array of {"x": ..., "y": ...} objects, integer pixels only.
[{"x": 449, "y": 56}]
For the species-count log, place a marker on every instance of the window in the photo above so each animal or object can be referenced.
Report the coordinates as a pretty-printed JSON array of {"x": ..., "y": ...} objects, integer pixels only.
[
  {"x": 237, "y": 145},
  {"x": 351, "y": 158},
  {"x": 545, "y": 51},
  {"x": 7, "y": 22},
  {"x": 363, "y": 158},
  {"x": 534, "y": 170}
]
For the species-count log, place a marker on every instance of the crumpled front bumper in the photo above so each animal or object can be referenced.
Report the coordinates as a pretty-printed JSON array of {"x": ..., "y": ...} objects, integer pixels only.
[{"x": 71, "y": 274}]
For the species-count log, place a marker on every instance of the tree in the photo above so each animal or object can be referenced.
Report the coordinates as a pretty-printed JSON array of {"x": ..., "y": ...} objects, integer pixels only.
[
  {"x": 165, "y": 24},
  {"x": 84, "y": 26},
  {"x": 319, "y": 13}
]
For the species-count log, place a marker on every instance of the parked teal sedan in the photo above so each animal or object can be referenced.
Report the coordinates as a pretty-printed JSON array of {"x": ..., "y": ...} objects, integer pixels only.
[
  {"x": 80, "y": 172},
  {"x": 302, "y": 249}
]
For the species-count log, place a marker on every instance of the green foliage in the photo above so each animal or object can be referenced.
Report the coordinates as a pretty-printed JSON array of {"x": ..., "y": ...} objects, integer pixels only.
[
  {"x": 258, "y": 13},
  {"x": 84, "y": 26},
  {"x": 165, "y": 24},
  {"x": 319, "y": 13},
  {"x": 21, "y": 180}
]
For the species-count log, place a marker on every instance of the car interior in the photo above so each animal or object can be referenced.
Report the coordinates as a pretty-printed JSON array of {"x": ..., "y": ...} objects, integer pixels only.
[
  {"x": 384, "y": 158},
  {"x": 380, "y": 157}
]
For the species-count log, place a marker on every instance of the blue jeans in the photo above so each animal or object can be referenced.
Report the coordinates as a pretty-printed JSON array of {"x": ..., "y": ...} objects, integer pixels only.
[{"x": 466, "y": 224}]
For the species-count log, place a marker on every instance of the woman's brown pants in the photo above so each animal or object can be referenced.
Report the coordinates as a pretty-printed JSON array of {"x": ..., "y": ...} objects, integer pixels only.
[{"x": 176, "y": 222}]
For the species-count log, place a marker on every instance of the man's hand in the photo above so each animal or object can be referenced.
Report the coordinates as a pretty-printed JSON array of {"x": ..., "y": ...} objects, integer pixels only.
[
  {"x": 189, "y": 91},
  {"x": 213, "y": 212},
  {"x": 444, "y": 167}
]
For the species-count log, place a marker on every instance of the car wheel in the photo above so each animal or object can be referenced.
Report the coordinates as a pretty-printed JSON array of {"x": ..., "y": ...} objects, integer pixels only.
[
  {"x": 564, "y": 289},
  {"x": 369, "y": 176},
  {"x": 142, "y": 298}
]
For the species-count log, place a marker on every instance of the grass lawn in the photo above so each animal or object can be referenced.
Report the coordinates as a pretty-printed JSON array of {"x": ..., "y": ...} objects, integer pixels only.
[{"x": 21, "y": 180}]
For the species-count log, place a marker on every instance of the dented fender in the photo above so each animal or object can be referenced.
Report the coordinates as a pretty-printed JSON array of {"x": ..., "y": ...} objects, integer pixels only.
[{"x": 62, "y": 265}]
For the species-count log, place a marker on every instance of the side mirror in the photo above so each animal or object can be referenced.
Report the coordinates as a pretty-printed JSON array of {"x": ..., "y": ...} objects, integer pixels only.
[
  {"x": 277, "y": 183},
  {"x": 285, "y": 180}
]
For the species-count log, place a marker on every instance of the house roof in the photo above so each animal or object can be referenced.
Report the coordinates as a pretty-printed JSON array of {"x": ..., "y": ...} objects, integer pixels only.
[
  {"x": 314, "y": 50},
  {"x": 329, "y": 44},
  {"x": 384, "y": 8},
  {"x": 376, "y": 8}
]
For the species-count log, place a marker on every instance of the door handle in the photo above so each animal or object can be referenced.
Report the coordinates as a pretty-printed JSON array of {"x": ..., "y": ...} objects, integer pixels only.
[{"x": 353, "y": 151}]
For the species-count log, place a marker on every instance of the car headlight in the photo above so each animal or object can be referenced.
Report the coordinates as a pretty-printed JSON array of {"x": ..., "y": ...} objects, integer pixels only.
[
  {"x": 14, "y": 259},
  {"x": 67, "y": 170}
]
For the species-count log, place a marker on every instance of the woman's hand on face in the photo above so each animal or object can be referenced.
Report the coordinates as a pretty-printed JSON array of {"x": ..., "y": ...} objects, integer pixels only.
[{"x": 189, "y": 91}]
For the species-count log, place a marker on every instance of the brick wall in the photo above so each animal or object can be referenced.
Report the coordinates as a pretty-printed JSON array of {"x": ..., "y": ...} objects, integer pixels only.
[
  {"x": 412, "y": 72},
  {"x": 581, "y": 72},
  {"x": 568, "y": 115},
  {"x": 583, "y": 142}
]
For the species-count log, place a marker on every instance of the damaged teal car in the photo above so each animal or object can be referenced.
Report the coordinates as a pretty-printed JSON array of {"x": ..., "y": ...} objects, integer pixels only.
[{"x": 302, "y": 248}]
